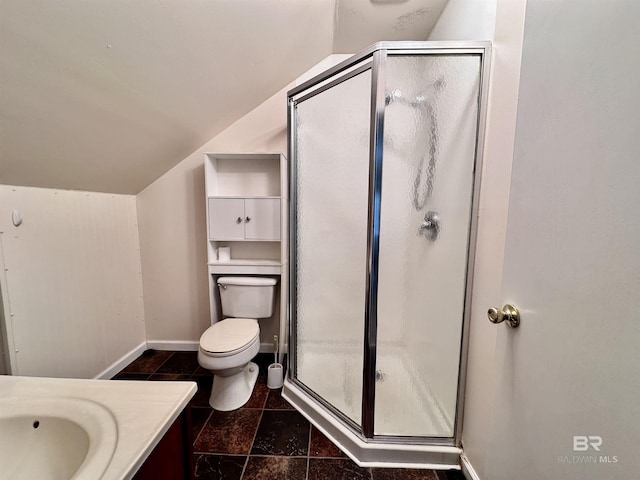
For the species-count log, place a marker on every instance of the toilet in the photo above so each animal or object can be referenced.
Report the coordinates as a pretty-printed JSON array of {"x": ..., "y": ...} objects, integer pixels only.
[{"x": 228, "y": 346}]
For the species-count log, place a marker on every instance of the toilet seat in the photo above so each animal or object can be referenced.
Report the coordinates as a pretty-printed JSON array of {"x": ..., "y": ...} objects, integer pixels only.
[{"x": 230, "y": 337}]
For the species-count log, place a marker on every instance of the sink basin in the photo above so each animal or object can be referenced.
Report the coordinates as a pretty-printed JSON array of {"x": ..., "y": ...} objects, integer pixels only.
[{"x": 55, "y": 438}]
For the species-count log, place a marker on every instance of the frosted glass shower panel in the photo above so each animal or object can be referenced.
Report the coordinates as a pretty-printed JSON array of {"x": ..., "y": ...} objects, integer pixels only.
[
  {"x": 430, "y": 134},
  {"x": 332, "y": 151}
]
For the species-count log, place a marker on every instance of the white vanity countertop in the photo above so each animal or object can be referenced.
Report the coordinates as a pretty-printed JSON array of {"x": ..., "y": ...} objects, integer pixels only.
[{"x": 143, "y": 411}]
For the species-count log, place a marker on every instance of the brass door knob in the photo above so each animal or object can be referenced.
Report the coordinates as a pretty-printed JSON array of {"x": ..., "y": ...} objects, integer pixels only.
[{"x": 508, "y": 314}]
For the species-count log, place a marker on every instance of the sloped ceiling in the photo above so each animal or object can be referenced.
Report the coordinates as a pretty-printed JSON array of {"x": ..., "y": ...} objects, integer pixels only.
[
  {"x": 360, "y": 23},
  {"x": 107, "y": 95}
]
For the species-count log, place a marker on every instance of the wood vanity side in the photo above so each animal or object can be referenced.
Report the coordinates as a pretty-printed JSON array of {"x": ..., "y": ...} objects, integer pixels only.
[{"x": 172, "y": 458}]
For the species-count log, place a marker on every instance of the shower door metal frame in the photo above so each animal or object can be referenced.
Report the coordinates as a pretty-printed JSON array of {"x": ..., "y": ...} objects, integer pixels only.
[
  {"x": 343, "y": 72},
  {"x": 374, "y": 58}
]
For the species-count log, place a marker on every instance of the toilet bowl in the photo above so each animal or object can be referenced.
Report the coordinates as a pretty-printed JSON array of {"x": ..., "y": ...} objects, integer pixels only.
[{"x": 228, "y": 346}]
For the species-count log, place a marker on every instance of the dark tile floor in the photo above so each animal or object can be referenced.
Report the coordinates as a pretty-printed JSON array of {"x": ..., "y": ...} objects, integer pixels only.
[{"x": 266, "y": 439}]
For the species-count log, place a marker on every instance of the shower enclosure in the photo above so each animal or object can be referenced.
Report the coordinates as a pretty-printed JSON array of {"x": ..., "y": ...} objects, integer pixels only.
[{"x": 384, "y": 150}]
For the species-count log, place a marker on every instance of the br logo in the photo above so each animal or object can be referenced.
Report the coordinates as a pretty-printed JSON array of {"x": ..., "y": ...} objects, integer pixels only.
[{"x": 582, "y": 443}]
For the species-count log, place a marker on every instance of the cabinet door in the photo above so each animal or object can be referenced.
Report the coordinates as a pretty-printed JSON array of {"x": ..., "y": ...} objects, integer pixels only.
[
  {"x": 262, "y": 219},
  {"x": 226, "y": 218}
]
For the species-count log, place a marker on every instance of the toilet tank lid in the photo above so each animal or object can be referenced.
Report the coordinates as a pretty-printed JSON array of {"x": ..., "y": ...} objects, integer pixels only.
[{"x": 251, "y": 281}]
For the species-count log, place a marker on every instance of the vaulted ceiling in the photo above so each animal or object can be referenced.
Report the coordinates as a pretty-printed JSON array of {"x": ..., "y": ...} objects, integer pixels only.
[{"x": 107, "y": 95}]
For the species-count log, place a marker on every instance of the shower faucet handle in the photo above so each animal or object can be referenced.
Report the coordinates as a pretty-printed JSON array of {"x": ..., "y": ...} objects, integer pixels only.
[{"x": 430, "y": 227}]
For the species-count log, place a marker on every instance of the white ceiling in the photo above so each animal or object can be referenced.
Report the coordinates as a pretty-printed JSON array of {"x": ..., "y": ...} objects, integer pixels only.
[
  {"x": 107, "y": 95},
  {"x": 360, "y": 23}
]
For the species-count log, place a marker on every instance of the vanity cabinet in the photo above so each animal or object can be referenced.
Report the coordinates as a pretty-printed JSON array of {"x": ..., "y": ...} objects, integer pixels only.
[
  {"x": 238, "y": 219},
  {"x": 173, "y": 456}
]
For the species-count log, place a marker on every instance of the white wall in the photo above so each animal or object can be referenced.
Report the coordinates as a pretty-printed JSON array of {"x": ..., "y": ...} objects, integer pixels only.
[
  {"x": 72, "y": 280},
  {"x": 465, "y": 20},
  {"x": 171, "y": 214}
]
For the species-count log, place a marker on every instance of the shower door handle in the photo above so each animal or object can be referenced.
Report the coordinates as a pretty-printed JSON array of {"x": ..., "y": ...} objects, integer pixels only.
[{"x": 509, "y": 314}]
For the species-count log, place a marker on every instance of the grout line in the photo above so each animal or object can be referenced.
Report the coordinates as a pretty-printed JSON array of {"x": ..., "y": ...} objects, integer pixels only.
[
  {"x": 306, "y": 477},
  {"x": 202, "y": 428},
  {"x": 255, "y": 434},
  {"x": 244, "y": 467},
  {"x": 221, "y": 454},
  {"x": 264, "y": 455},
  {"x": 160, "y": 366},
  {"x": 252, "y": 441},
  {"x": 266, "y": 397}
]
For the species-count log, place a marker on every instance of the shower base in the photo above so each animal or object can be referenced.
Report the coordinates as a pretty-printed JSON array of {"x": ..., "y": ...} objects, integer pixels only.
[{"x": 405, "y": 407}]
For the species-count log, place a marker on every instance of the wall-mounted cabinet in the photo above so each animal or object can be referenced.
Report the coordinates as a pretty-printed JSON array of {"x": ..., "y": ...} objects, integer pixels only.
[
  {"x": 246, "y": 211},
  {"x": 253, "y": 219}
]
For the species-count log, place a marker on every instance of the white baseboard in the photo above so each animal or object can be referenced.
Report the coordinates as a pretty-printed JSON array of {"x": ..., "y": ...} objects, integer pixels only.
[
  {"x": 192, "y": 345},
  {"x": 172, "y": 345},
  {"x": 266, "y": 347},
  {"x": 467, "y": 469},
  {"x": 175, "y": 345},
  {"x": 122, "y": 362}
]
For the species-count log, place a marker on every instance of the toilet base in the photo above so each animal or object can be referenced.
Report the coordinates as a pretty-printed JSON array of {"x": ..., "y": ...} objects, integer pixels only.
[{"x": 230, "y": 393}]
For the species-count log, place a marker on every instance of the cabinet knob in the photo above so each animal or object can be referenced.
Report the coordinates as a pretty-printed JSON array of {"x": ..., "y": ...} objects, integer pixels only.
[
  {"x": 248, "y": 219},
  {"x": 239, "y": 220}
]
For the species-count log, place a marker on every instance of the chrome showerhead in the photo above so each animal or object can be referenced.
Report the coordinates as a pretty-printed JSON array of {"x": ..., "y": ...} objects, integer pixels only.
[
  {"x": 396, "y": 95},
  {"x": 393, "y": 96}
]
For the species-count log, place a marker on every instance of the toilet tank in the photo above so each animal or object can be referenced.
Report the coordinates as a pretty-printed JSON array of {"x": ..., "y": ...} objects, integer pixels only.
[{"x": 247, "y": 297}]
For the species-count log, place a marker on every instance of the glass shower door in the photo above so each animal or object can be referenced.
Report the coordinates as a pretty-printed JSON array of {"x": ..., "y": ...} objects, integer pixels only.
[
  {"x": 430, "y": 134},
  {"x": 330, "y": 240}
]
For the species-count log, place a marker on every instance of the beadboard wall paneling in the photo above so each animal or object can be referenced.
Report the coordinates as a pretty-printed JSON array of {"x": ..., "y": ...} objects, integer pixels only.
[{"x": 73, "y": 280}]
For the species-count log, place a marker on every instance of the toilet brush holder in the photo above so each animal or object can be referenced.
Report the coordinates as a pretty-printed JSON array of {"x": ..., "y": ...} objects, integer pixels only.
[{"x": 275, "y": 377}]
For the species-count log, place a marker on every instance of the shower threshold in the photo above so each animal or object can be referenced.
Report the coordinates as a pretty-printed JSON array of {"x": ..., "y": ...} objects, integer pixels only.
[{"x": 375, "y": 453}]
